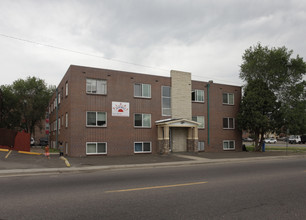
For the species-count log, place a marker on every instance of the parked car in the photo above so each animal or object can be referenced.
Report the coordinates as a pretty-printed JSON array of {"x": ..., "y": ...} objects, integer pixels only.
[
  {"x": 295, "y": 139},
  {"x": 247, "y": 139},
  {"x": 282, "y": 139},
  {"x": 270, "y": 140},
  {"x": 43, "y": 141}
]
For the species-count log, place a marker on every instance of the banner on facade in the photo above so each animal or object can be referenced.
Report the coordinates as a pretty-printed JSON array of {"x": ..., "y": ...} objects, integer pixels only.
[{"x": 121, "y": 109}]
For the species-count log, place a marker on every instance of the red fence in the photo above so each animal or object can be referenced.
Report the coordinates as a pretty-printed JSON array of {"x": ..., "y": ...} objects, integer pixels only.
[{"x": 13, "y": 140}]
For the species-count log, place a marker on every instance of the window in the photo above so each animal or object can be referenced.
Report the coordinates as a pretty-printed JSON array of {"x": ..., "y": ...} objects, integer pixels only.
[
  {"x": 66, "y": 148},
  {"x": 199, "y": 119},
  {"x": 228, "y": 145},
  {"x": 95, "y": 86},
  {"x": 201, "y": 146},
  {"x": 97, "y": 119},
  {"x": 66, "y": 120},
  {"x": 142, "y": 90},
  {"x": 59, "y": 98},
  {"x": 66, "y": 88},
  {"x": 142, "y": 147},
  {"x": 228, "y": 98},
  {"x": 59, "y": 123},
  {"x": 166, "y": 101},
  {"x": 96, "y": 148},
  {"x": 228, "y": 123},
  {"x": 197, "y": 95},
  {"x": 142, "y": 120}
]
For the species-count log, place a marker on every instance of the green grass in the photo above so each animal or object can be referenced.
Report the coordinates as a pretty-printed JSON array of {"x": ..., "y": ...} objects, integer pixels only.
[
  {"x": 271, "y": 148},
  {"x": 52, "y": 150}
]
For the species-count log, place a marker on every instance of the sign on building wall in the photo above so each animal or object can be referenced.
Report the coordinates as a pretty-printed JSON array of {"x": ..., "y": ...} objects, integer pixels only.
[{"x": 121, "y": 109}]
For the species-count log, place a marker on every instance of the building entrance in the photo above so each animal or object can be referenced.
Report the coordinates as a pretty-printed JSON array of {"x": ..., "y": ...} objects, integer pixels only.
[
  {"x": 178, "y": 139},
  {"x": 177, "y": 135}
]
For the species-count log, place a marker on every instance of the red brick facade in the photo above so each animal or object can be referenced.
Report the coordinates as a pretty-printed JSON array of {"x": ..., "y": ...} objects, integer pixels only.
[{"x": 120, "y": 134}]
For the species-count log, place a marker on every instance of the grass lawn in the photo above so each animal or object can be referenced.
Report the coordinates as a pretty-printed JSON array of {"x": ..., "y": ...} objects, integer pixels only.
[{"x": 271, "y": 148}]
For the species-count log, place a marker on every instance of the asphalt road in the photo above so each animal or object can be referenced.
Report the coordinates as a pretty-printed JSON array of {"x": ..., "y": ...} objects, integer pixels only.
[{"x": 253, "y": 190}]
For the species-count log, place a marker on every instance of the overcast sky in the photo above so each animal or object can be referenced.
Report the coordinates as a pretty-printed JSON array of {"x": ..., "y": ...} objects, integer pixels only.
[{"x": 206, "y": 38}]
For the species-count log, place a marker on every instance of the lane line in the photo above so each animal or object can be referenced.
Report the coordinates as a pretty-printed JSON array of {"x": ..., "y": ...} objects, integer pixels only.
[{"x": 155, "y": 187}]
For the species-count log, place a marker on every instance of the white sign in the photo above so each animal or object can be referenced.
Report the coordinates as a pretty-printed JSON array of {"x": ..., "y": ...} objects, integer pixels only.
[{"x": 121, "y": 109}]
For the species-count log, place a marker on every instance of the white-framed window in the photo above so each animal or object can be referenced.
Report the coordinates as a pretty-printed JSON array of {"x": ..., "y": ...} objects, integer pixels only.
[
  {"x": 66, "y": 148},
  {"x": 142, "y": 147},
  {"x": 142, "y": 90},
  {"x": 59, "y": 123},
  {"x": 59, "y": 98},
  {"x": 66, "y": 119},
  {"x": 228, "y": 123},
  {"x": 66, "y": 88},
  {"x": 197, "y": 95},
  {"x": 96, "y": 86},
  {"x": 228, "y": 98},
  {"x": 142, "y": 120},
  {"x": 166, "y": 101},
  {"x": 201, "y": 146},
  {"x": 96, "y": 119},
  {"x": 199, "y": 119},
  {"x": 228, "y": 145},
  {"x": 96, "y": 148}
]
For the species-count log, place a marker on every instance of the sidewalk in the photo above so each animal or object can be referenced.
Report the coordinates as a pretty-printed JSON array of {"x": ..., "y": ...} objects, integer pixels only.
[{"x": 18, "y": 163}]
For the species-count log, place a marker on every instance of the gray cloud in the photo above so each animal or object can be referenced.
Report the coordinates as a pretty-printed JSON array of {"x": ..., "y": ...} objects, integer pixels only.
[{"x": 206, "y": 38}]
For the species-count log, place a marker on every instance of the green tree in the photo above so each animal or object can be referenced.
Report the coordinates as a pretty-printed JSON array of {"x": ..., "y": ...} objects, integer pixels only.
[
  {"x": 259, "y": 110},
  {"x": 25, "y": 103},
  {"x": 283, "y": 76}
]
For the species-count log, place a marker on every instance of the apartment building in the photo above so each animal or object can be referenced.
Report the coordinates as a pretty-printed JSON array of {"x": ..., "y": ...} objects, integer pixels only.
[{"x": 108, "y": 112}]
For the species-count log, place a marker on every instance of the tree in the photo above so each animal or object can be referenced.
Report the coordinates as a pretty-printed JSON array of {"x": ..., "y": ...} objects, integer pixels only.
[
  {"x": 25, "y": 103},
  {"x": 283, "y": 76},
  {"x": 258, "y": 110}
]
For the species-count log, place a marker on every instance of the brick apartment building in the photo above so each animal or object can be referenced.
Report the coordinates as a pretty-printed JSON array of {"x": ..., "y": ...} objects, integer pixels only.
[{"x": 108, "y": 112}]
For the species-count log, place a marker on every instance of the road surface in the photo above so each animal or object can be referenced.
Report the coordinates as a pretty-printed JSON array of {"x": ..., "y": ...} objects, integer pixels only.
[{"x": 248, "y": 190}]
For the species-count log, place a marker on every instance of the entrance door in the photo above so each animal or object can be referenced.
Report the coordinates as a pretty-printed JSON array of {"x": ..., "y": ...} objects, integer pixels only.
[{"x": 179, "y": 139}]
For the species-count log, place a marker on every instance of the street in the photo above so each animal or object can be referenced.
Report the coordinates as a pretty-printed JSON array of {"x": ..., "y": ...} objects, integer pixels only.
[{"x": 250, "y": 190}]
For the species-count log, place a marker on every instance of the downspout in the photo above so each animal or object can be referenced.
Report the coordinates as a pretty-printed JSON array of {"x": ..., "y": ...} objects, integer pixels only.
[
  {"x": 56, "y": 119},
  {"x": 208, "y": 131}
]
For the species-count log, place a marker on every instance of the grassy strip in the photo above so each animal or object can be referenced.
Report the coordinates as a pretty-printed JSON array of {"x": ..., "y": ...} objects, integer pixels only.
[
  {"x": 52, "y": 150},
  {"x": 295, "y": 149}
]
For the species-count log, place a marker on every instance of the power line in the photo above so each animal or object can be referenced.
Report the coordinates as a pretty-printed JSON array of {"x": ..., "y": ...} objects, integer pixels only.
[
  {"x": 98, "y": 56},
  {"x": 79, "y": 52}
]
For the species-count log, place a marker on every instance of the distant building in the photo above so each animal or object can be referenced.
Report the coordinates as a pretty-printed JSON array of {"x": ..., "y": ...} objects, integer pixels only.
[{"x": 109, "y": 112}]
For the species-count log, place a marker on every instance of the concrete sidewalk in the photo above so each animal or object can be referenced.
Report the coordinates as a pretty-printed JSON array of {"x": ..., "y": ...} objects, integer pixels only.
[{"x": 19, "y": 163}]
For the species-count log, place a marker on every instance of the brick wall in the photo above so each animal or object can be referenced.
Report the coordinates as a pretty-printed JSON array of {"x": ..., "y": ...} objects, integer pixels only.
[{"x": 120, "y": 133}]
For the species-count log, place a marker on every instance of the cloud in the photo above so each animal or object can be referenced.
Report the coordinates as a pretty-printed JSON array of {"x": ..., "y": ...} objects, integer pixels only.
[{"x": 206, "y": 38}]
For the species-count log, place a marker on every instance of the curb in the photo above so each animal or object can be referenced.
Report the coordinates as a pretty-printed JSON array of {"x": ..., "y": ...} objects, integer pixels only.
[
  {"x": 32, "y": 153},
  {"x": 140, "y": 166}
]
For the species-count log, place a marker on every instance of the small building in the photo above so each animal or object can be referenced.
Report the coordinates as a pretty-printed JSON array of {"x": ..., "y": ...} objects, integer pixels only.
[{"x": 108, "y": 112}]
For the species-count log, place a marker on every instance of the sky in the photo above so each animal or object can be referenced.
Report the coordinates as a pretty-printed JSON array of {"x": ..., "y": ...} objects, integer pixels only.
[{"x": 206, "y": 38}]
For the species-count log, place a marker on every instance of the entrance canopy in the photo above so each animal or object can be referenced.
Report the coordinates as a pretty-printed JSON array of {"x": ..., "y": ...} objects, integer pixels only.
[
  {"x": 177, "y": 123},
  {"x": 163, "y": 136}
]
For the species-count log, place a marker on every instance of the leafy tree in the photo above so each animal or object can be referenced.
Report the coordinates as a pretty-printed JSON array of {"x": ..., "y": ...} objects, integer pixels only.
[
  {"x": 24, "y": 103},
  {"x": 259, "y": 110},
  {"x": 283, "y": 76}
]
